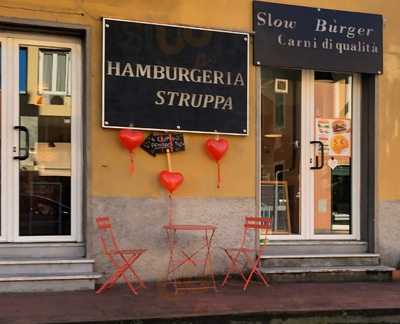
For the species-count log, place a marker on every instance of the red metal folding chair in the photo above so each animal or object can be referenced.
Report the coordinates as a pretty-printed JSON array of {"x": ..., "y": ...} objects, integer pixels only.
[
  {"x": 121, "y": 260},
  {"x": 251, "y": 255}
]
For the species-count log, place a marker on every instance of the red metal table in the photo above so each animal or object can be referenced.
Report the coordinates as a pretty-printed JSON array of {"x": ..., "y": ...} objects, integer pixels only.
[{"x": 176, "y": 252}]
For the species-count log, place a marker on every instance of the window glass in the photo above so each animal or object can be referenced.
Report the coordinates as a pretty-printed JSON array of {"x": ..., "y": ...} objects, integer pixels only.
[
  {"x": 332, "y": 183},
  {"x": 279, "y": 110},
  {"x": 53, "y": 73},
  {"x": 47, "y": 71},
  {"x": 280, "y": 149},
  {"x": 45, "y": 175},
  {"x": 1, "y": 92},
  {"x": 61, "y": 72},
  {"x": 22, "y": 69}
]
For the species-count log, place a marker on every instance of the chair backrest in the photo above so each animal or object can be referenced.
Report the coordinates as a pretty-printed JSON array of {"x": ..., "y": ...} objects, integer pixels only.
[
  {"x": 261, "y": 223},
  {"x": 106, "y": 235},
  {"x": 255, "y": 225}
]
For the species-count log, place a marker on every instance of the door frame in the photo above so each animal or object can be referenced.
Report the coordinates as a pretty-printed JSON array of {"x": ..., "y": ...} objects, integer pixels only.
[
  {"x": 307, "y": 128},
  {"x": 10, "y": 43}
]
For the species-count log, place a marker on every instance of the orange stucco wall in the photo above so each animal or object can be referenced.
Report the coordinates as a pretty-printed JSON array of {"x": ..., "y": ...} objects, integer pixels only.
[{"x": 109, "y": 162}]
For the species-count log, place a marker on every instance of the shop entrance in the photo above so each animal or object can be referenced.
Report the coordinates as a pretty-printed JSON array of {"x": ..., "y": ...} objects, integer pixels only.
[
  {"x": 310, "y": 152},
  {"x": 40, "y": 138}
]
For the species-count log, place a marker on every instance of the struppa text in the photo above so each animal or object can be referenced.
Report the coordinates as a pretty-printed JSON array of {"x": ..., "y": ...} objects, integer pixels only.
[{"x": 164, "y": 97}]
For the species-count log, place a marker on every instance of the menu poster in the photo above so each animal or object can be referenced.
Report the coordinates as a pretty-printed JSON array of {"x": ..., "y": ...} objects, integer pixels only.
[{"x": 335, "y": 134}]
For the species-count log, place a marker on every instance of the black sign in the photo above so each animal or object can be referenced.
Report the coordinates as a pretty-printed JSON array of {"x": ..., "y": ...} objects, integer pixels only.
[
  {"x": 155, "y": 144},
  {"x": 319, "y": 39},
  {"x": 174, "y": 78}
]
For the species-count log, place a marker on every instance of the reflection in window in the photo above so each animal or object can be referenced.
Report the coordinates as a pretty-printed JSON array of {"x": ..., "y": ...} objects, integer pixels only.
[
  {"x": 53, "y": 71},
  {"x": 45, "y": 110},
  {"x": 1, "y": 109},
  {"x": 23, "y": 61},
  {"x": 279, "y": 110},
  {"x": 280, "y": 152},
  {"x": 333, "y": 127}
]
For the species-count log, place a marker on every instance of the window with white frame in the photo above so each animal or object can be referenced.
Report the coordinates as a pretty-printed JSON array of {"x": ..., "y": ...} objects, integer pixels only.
[{"x": 54, "y": 76}]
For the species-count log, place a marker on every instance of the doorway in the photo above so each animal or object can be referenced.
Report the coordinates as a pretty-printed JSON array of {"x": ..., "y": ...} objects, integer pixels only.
[
  {"x": 41, "y": 126},
  {"x": 310, "y": 153}
]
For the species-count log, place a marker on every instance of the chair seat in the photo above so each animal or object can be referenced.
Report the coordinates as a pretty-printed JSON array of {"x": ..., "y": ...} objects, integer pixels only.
[
  {"x": 258, "y": 251},
  {"x": 130, "y": 251}
]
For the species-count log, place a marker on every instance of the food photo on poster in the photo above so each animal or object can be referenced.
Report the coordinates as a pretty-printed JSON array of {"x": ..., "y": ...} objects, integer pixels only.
[{"x": 335, "y": 134}]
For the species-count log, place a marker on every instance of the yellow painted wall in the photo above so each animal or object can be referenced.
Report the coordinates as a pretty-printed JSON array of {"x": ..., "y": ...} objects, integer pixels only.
[{"x": 109, "y": 162}]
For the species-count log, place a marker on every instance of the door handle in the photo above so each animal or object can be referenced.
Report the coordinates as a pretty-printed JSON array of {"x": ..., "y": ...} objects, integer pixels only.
[
  {"x": 26, "y": 154},
  {"x": 318, "y": 166}
]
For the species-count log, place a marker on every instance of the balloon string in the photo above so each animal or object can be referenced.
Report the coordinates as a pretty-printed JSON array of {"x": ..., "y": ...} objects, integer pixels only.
[
  {"x": 171, "y": 145},
  {"x": 132, "y": 163},
  {"x": 170, "y": 209},
  {"x": 219, "y": 175}
]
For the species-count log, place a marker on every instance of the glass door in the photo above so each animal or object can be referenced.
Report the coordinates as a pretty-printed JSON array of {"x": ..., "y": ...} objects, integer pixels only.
[
  {"x": 309, "y": 152},
  {"x": 45, "y": 142},
  {"x": 42, "y": 139},
  {"x": 281, "y": 150},
  {"x": 335, "y": 146},
  {"x": 3, "y": 128}
]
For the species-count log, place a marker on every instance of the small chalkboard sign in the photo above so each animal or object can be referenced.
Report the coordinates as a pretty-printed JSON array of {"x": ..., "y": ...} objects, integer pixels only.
[
  {"x": 156, "y": 144},
  {"x": 275, "y": 204}
]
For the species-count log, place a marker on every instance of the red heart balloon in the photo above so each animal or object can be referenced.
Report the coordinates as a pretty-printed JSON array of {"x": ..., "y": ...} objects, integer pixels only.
[
  {"x": 170, "y": 180},
  {"x": 216, "y": 148},
  {"x": 131, "y": 139}
]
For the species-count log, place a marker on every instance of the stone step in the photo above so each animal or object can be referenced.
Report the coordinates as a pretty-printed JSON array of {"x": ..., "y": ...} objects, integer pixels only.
[
  {"x": 42, "y": 250},
  {"x": 320, "y": 260},
  {"x": 323, "y": 274},
  {"x": 45, "y": 266},
  {"x": 36, "y": 282},
  {"x": 296, "y": 247}
]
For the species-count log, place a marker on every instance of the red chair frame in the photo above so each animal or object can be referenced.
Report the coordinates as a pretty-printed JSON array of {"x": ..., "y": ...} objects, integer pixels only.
[
  {"x": 121, "y": 260},
  {"x": 254, "y": 224}
]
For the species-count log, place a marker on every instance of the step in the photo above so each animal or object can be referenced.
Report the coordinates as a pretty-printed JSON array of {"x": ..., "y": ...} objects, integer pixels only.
[
  {"x": 48, "y": 282},
  {"x": 320, "y": 260},
  {"x": 295, "y": 247},
  {"x": 45, "y": 266},
  {"x": 323, "y": 274},
  {"x": 42, "y": 250}
]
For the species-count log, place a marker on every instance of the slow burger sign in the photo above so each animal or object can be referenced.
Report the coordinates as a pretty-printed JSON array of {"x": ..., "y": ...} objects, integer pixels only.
[{"x": 316, "y": 38}]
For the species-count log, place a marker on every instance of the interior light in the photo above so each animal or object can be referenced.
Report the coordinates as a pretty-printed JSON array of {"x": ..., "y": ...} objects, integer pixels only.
[{"x": 273, "y": 135}]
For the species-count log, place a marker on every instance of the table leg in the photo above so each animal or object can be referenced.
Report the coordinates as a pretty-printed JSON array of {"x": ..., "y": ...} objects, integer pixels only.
[
  {"x": 171, "y": 276},
  {"x": 208, "y": 259},
  {"x": 188, "y": 258}
]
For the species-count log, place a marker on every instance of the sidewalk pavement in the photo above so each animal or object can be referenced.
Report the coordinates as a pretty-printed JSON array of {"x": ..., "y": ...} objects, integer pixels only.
[{"x": 159, "y": 302}]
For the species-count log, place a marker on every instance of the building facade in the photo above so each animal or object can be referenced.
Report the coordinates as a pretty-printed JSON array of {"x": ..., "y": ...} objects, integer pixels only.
[{"x": 61, "y": 168}]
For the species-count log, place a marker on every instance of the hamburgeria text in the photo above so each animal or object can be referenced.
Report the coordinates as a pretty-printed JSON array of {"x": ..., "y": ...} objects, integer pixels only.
[{"x": 181, "y": 74}]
